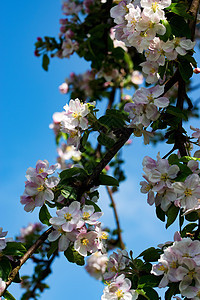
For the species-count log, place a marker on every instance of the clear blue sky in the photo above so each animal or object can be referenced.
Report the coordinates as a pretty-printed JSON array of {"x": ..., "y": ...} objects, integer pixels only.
[{"x": 29, "y": 98}]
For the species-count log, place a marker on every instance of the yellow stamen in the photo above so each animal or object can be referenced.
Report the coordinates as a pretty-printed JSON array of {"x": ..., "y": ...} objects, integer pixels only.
[
  {"x": 68, "y": 217},
  {"x": 104, "y": 236},
  {"x": 86, "y": 216},
  {"x": 174, "y": 264},
  {"x": 41, "y": 170},
  {"x": 164, "y": 176},
  {"x": 85, "y": 242},
  {"x": 155, "y": 6},
  {"x": 40, "y": 188},
  {"x": 188, "y": 192},
  {"x": 119, "y": 293},
  {"x": 191, "y": 274}
]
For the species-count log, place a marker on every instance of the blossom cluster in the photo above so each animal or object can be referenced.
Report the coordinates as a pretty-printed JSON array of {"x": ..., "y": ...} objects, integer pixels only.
[
  {"x": 162, "y": 187},
  {"x": 39, "y": 186},
  {"x": 32, "y": 228},
  {"x": 119, "y": 288},
  {"x": 180, "y": 263},
  {"x": 138, "y": 24},
  {"x": 78, "y": 226},
  {"x": 145, "y": 108},
  {"x": 72, "y": 121}
]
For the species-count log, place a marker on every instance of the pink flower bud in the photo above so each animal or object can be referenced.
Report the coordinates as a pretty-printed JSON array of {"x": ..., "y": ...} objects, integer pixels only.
[
  {"x": 39, "y": 39},
  {"x": 107, "y": 167},
  {"x": 36, "y": 53},
  {"x": 196, "y": 70}
]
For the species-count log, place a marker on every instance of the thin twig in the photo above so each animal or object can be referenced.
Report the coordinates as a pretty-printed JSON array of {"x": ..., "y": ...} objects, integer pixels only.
[
  {"x": 121, "y": 244},
  {"x": 26, "y": 256}
]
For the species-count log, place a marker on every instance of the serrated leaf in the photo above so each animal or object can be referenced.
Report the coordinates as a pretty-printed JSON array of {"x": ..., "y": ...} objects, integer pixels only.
[
  {"x": 45, "y": 62},
  {"x": 172, "y": 214},
  {"x": 179, "y": 27},
  {"x": 173, "y": 159},
  {"x": 44, "y": 215},
  {"x": 107, "y": 180},
  {"x": 177, "y": 112},
  {"x": 8, "y": 296},
  {"x": 15, "y": 249},
  {"x": 74, "y": 257},
  {"x": 5, "y": 268}
]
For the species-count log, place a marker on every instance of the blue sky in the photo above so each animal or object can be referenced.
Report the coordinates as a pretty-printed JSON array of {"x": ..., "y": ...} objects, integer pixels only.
[{"x": 29, "y": 98}]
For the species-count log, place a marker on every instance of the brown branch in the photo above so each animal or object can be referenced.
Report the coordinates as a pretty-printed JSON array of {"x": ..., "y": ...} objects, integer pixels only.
[
  {"x": 124, "y": 136},
  {"x": 26, "y": 256},
  {"x": 193, "y": 12},
  {"x": 121, "y": 244}
]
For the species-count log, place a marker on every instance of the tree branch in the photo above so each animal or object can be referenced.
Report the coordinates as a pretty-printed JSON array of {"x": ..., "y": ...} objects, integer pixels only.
[
  {"x": 26, "y": 256},
  {"x": 121, "y": 244}
]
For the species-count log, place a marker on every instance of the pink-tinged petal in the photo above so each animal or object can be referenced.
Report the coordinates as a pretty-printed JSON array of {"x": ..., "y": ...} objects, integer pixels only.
[
  {"x": 57, "y": 221},
  {"x": 161, "y": 102},
  {"x": 29, "y": 206},
  {"x": 74, "y": 207},
  {"x": 150, "y": 198},
  {"x": 39, "y": 199},
  {"x": 84, "y": 123},
  {"x": 48, "y": 195},
  {"x": 68, "y": 227},
  {"x": 63, "y": 243},
  {"x": 53, "y": 236},
  {"x": 157, "y": 90}
]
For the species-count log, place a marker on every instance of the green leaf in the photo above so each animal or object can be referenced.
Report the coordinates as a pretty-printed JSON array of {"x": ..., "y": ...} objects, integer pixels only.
[
  {"x": 74, "y": 257},
  {"x": 8, "y": 296},
  {"x": 172, "y": 213},
  {"x": 5, "y": 268},
  {"x": 151, "y": 293},
  {"x": 96, "y": 207},
  {"x": 179, "y": 27},
  {"x": 180, "y": 9},
  {"x": 44, "y": 215},
  {"x": 53, "y": 248},
  {"x": 45, "y": 62},
  {"x": 186, "y": 159},
  {"x": 168, "y": 32},
  {"x": 173, "y": 159},
  {"x": 160, "y": 213},
  {"x": 105, "y": 140},
  {"x": 177, "y": 112},
  {"x": 150, "y": 280},
  {"x": 188, "y": 229},
  {"x": 185, "y": 68},
  {"x": 193, "y": 216},
  {"x": 128, "y": 60},
  {"x": 172, "y": 290},
  {"x": 72, "y": 174},
  {"x": 107, "y": 180},
  {"x": 151, "y": 254},
  {"x": 15, "y": 249}
]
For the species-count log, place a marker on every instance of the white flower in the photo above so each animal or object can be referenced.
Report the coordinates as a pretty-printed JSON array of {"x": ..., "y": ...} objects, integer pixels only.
[
  {"x": 75, "y": 115},
  {"x": 68, "y": 217},
  {"x": 96, "y": 265},
  {"x": 2, "y": 285},
  {"x": 86, "y": 242}
]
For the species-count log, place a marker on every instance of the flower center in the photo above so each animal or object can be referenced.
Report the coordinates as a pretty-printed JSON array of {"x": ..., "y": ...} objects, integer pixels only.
[
  {"x": 162, "y": 268},
  {"x": 119, "y": 293},
  {"x": 191, "y": 274},
  {"x": 86, "y": 216},
  {"x": 174, "y": 265},
  {"x": 188, "y": 192},
  {"x": 104, "y": 236},
  {"x": 68, "y": 217},
  {"x": 155, "y": 6},
  {"x": 164, "y": 177},
  {"x": 41, "y": 170},
  {"x": 85, "y": 242},
  {"x": 40, "y": 188}
]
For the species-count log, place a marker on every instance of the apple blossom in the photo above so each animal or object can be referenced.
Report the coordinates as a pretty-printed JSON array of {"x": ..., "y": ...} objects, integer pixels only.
[
  {"x": 96, "y": 265},
  {"x": 86, "y": 242}
]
